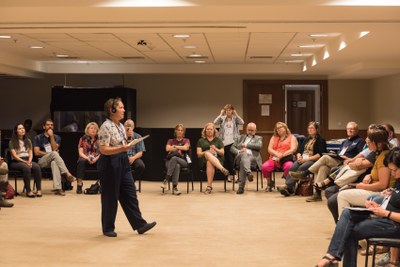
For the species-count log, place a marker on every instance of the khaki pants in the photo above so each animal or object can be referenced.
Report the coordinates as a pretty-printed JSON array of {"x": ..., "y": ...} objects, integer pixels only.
[{"x": 322, "y": 167}]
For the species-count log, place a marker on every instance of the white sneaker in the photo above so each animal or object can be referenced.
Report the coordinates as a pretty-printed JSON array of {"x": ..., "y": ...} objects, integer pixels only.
[{"x": 176, "y": 191}]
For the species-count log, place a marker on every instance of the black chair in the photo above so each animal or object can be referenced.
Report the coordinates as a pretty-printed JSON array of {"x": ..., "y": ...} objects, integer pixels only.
[
  {"x": 253, "y": 168},
  {"x": 186, "y": 173},
  {"x": 14, "y": 173},
  {"x": 374, "y": 242},
  {"x": 139, "y": 179}
]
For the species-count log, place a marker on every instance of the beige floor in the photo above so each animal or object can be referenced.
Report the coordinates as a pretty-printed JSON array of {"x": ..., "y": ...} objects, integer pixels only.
[{"x": 221, "y": 229}]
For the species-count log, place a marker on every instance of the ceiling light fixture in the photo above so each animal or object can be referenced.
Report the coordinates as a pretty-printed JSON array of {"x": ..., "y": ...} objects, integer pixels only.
[
  {"x": 5, "y": 36},
  {"x": 314, "y": 62},
  {"x": 189, "y": 46},
  {"x": 363, "y": 33},
  {"x": 311, "y": 46},
  {"x": 62, "y": 56},
  {"x": 326, "y": 55},
  {"x": 300, "y": 54},
  {"x": 199, "y": 61},
  {"x": 36, "y": 47},
  {"x": 294, "y": 61},
  {"x": 194, "y": 55},
  {"x": 342, "y": 45},
  {"x": 304, "y": 67},
  {"x": 183, "y": 36}
]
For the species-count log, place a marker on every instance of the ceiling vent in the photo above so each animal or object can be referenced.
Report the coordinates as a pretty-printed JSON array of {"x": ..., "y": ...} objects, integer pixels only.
[{"x": 261, "y": 57}]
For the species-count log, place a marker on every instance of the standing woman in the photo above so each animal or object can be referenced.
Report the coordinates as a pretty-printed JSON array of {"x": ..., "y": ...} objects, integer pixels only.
[
  {"x": 210, "y": 151},
  {"x": 115, "y": 172},
  {"x": 21, "y": 155},
  {"x": 228, "y": 121},
  {"x": 177, "y": 153},
  {"x": 281, "y": 148},
  {"x": 88, "y": 149}
]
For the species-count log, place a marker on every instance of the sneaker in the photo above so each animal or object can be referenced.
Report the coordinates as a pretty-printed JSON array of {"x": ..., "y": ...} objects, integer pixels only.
[
  {"x": 250, "y": 176},
  {"x": 175, "y": 191},
  {"x": 164, "y": 184},
  {"x": 79, "y": 189},
  {"x": 314, "y": 198},
  {"x": 298, "y": 175},
  {"x": 383, "y": 259},
  {"x": 59, "y": 192},
  {"x": 5, "y": 204}
]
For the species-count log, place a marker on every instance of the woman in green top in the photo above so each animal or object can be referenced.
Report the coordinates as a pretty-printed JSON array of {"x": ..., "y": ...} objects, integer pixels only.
[{"x": 210, "y": 151}]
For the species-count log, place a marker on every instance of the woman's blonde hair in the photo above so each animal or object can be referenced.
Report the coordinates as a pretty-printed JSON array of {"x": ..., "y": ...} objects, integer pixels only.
[
  {"x": 91, "y": 124},
  {"x": 279, "y": 123},
  {"x": 203, "y": 132}
]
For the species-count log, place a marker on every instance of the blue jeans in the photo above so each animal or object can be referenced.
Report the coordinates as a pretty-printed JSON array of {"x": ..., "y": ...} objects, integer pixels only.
[
  {"x": 290, "y": 182},
  {"x": 348, "y": 232}
]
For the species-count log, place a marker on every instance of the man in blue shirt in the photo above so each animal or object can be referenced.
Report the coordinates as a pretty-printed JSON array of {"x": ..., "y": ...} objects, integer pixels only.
[
  {"x": 46, "y": 147},
  {"x": 136, "y": 153}
]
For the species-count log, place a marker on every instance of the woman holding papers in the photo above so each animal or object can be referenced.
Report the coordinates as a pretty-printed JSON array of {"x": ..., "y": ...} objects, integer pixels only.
[
  {"x": 373, "y": 221},
  {"x": 115, "y": 172}
]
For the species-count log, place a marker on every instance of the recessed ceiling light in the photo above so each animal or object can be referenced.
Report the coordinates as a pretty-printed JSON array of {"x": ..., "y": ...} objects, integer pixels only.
[
  {"x": 304, "y": 67},
  {"x": 301, "y": 54},
  {"x": 342, "y": 45},
  {"x": 36, "y": 47},
  {"x": 363, "y": 33},
  {"x": 312, "y": 46},
  {"x": 5, "y": 36},
  {"x": 199, "y": 61},
  {"x": 62, "y": 56},
  {"x": 181, "y": 35},
  {"x": 194, "y": 55},
  {"x": 326, "y": 55},
  {"x": 189, "y": 46},
  {"x": 294, "y": 61},
  {"x": 314, "y": 62},
  {"x": 323, "y": 34}
]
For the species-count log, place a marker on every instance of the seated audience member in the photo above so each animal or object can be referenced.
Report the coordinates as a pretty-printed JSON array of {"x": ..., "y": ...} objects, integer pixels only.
[
  {"x": 321, "y": 169},
  {"x": 282, "y": 146},
  {"x": 89, "y": 153},
  {"x": 381, "y": 221},
  {"x": 228, "y": 121},
  {"x": 29, "y": 132},
  {"x": 393, "y": 141},
  {"x": 210, "y": 151},
  {"x": 4, "y": 183},
  {"x": 308, "y": 153},
  {"x": 378, "y": 180},
  {"x": 46, "y": 147},
  {"x": 21, "y": 150},
  {"x": 247, "y": 153},
  {"x": 177, "y": 157},
  {"x": 135, "y": 154}
]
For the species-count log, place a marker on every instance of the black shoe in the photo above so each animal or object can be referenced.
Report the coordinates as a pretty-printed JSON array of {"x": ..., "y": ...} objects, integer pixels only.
[
  {"x": 110, "y": 234},
  {"x": 240, "y": 190},
  {"x": 79, "y": 189},
  {"x": 284, "y": 191},
  {"x": 5, "y": 204},
  {"x": 146, "y": 227}
]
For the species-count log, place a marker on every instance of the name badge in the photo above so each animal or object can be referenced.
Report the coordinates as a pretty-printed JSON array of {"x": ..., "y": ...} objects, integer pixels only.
[
  {"x": 305, "y": 156},
  {"x": 47, "y": 148},
  {"x": 343, "y": 151}
]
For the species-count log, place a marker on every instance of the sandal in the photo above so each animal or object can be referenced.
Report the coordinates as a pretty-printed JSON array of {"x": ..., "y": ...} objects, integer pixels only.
[
  {"x": 323, "y": 185},
  {"x": 225, "y": 171},
  {"x": 330, "y": 262},
  {"x": 208, "y": 190}
]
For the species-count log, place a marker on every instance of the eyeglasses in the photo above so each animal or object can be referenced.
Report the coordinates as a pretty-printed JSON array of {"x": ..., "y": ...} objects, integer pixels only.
[{"x": 393, "y": 170}]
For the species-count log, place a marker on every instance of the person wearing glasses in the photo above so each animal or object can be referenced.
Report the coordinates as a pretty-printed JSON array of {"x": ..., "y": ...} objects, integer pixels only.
[{"x": 321, "y": 169}]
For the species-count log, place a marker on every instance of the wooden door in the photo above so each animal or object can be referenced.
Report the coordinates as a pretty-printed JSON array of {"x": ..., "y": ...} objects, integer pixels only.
[
  {"x": 300, "y": 110},
  {"x": 259, "y": 97}
]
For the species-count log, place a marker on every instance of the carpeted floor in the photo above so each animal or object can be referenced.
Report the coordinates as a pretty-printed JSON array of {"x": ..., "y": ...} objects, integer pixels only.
[{"x": 221, "y": 229}]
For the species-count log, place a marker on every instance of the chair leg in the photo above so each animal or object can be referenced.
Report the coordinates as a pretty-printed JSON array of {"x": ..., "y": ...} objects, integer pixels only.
[
  {"x": 15, "y": 186},
  {"x": 373, "y": 254},
  {"x": 257, "y": 181}
]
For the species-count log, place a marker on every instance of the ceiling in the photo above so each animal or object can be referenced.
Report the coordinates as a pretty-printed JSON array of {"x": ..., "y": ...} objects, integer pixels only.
[{"x": 227, "y": 37}]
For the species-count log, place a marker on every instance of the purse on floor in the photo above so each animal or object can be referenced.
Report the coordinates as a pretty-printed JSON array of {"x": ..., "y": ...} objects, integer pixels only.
[{"x": 305, "y": 188}]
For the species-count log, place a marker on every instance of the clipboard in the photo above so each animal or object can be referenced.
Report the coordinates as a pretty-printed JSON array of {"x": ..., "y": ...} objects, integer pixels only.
[{"x": 135, "y": 141}]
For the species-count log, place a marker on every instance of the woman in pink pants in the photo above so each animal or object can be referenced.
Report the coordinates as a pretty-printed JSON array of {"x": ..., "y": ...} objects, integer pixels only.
[{"x": 281, "y": 149}]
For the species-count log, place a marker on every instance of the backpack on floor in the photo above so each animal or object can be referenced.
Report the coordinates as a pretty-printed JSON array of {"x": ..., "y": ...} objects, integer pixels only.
[{"x": 10, "y": 192}]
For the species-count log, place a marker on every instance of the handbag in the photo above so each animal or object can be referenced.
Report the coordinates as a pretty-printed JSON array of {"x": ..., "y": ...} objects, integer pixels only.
[
  {"x": 305, "y": 188},
  {"x": 286, "y": 159},
  {"x": 10, "y": 192}
]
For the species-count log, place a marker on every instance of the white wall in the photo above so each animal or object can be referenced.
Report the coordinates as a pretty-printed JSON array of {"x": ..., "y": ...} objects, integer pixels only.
[
  {"x": 165, "y": 100},
  {"x": 349, "y": 101},
  {"x": 385, "y": 105}
]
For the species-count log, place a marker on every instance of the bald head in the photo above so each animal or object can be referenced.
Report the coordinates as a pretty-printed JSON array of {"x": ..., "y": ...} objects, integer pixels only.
[{"x": 251, "y": 128}]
